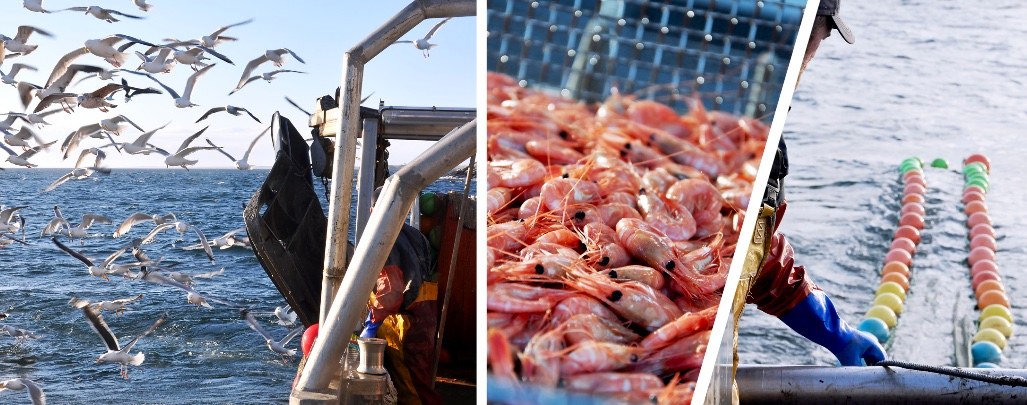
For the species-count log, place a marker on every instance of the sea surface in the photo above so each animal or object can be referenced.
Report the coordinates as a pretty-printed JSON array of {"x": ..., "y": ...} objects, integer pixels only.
[
  {"x": 201, "y": 355},
  {"x": 928, "y": 79}
]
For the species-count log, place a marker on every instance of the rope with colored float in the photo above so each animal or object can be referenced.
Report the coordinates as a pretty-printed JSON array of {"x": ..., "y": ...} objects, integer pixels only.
[
  {"x": 891, "y": 293},
  {"x": 995, "y": 321}
]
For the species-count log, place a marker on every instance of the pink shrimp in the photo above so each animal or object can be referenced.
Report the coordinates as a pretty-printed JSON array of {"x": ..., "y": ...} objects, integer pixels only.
[
  {"x": 590, "y": 356},
  {"x": 702, "y": 200},
  {"x": 519, "y": 173},
  {"x": 612, "y": 213},
  {"x": 681, "y": 355},
  {"x": 658, "y": 180},
  {"x": 498, "y": 198},
  {"x": 646, "y": 243},
  {"x": 632, "y": 300},
  {"x": 685, "y": 153},
  {"x": 520, "y": 298},
  {"x": 560, "y": 192},
  {"x": 582, "y": 327},
  {"x": 529, "y": 208},
  {"x": 507, "y": 236},
  {"x": 501, "y": 357},
  {"x": 601, "y": 246},
  {"x": 643, "y": 274},
  {"x": 562, "y": 236},
  {"x": 540, "y": 361},
  {"x": 553, "y": 151},
  {"x": 686, "y": 325},
  {"x": 659, "y": 116},
  {"x": 607, "y": 383},
  {"x": 579, "y": 304},
  {"x": 677, "y": 226},
  {"x": 621, "y": 197}
]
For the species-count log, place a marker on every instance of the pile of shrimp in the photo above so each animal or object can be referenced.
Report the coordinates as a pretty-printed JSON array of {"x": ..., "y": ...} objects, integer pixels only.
[{"x": 610, "y": 232}]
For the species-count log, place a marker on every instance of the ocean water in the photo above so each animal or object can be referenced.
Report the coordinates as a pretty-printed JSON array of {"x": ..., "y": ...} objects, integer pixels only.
[
  {"x": 928, "y": 79},
  {"x": 200, "y": 355}
]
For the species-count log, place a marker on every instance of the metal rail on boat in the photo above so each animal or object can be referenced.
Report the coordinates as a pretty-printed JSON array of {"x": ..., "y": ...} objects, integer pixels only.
[{"x": 344, "y": 292}]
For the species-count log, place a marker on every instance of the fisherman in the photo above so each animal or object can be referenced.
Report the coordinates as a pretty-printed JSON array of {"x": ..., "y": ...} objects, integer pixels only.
[
  {"x": 403, "y": 310},
  {"x": 770, "y": 278}
]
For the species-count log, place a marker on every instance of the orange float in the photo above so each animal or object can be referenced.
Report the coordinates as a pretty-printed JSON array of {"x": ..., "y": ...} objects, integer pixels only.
[
  {"x": 975, "y": 189},
  {"x": 917, "y": 198},
  {"x": 897, "y": 279},
  {"x": 992, "y": 298},
  {"x": 978, "y": 219},
  {"x": 908, "y": 232},
  {"x": 914, "y": 178},
  {"x": 989, "y": 285},
  {"x": 980, "y": 253},
  {"x": 912, "y": 219},
  {"x": 972, "y": 195},
  {"x": 914, "y": 188},
  {"x": 895, "y": 267},
  {"x": 983, "y": 265},
  {"x": 975, "y": 207},
  {"x": 913, "y": 207},
  {"x": 904, "y": 244},
  {"x": 983, "y": 241},
  {"x": 984, "y": 276},
  {"x": 977, "y": 157},
  {"x": 899, "y": 255}
]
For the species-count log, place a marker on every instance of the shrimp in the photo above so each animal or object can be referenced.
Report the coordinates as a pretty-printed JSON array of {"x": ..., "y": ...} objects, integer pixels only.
[
  {"x": 612, "y": 213},
  {"x": 507, "y": 236},
  {"x": 686, "y": 325},
  {"x": 553, "y": 151},
  {"x": 702, "y": 200},
  {"x": 620, "y": 197},
  {"x": 601, "y": 246},
  {"x": 684, "y": 354},
  {"x": 678, "y": 226},
  {"x": 519, "y": 298},
  {"x": 540, "y": 361},
  {"x": 658, "y": 180},
  {"x": 632, "y": 300},
  {"x": 561, "y": 192},
  {"x": 659, "y": 116},
  {"x": 562, "y": 236},
  {"x": 643, "y": 274},
  {"x": 646, "y": 243},
  {"x": 528, "y": 209},
  {"x": 501, "y": 356},
  {"x": 685, "y": 153},
  {"x": 498, "y": 198},
  {"x": 576, "y": 305},
  {"x": 606, "y": 383},
  {"x": 519, "y": 173},
  {"x": 582, "y": 327},
  {"x": 590, "y": 356}
]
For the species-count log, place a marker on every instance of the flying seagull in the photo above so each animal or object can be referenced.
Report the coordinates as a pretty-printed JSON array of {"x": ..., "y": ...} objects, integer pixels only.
[
  {"x": 236, "y": 111},
  {"x": 95, "y": 269},
  {"x": 275, "y": 346},
  {"x": 140, "y": 217},
  {"x": 115, "y": 352},
  {"x": 23, "y": 158},
  {"x": 422, "y": 43},
  {"x": 19, "y": 43},
  {"x": 182, "y": 227},
  {"x": 273, "y": 55},
  {"x": 118, "y": 306},
  {"x": 179, "y": 157},
  {"x": 142, "y": 5},
  {"x": 17, "y": 384},
  {"x": 267, "y": 76},
  {"x": 101, "y": 13},
  {"x": 241, "y": 164},
  {"x": 182, "y": 101},
  {"x": 8, "y": 78}
]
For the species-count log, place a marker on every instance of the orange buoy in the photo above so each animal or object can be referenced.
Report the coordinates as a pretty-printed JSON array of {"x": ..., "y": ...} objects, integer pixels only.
[
  {"x": 897, "y": 278},
  {"x": 914, "y": 188},
  {"x": 975, "y": 207},
  {"x": 977, "y": 157},
  {"x": 982, "y": 229},
  {"x": 983, "y": 241},
  {"x": 979, "y": 254},
  {"x": 983, "y": 265},
  {"x": 974, "y": 188},
  {"x": 895, "y": 267},
  {"x": 908, "y": 232},
  {"x": 977, "y": 219},
  {"x": 989, "y": 285},
  {"x": 992, "y": 298},
  {"x": 904, "y": 244},
  {"x": 913, "y": 207},
  {"x": 914, "y": 178},
  {"x": 985, "y": 276},
  {"x": 899, "y": 255},
  {"x": 972, "y": 195},
  {"x": 912, "y": 219},
  {"x": 908, "y": 198}
]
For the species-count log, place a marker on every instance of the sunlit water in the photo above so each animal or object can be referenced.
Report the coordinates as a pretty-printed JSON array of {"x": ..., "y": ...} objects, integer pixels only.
[
  {"x": 924, "y": 79},
  {"x": 200, "y": 355}
]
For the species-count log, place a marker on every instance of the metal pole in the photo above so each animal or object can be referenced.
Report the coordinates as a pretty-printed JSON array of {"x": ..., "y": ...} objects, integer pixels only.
[
  {"x": 452, "y": 267},
  {"x": 365, "y": 179},
  {"x": 398, "y": 194},
  {"x": 865, "y": 385}
]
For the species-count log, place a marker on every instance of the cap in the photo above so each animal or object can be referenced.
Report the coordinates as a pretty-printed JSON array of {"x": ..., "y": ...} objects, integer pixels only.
[{"x": 830, "y": 8}]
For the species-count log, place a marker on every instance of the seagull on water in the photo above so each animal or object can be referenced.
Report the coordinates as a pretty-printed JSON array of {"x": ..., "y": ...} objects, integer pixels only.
[
  {"x": 8, "y": 78},
  {"x": 275, "y": 346},
  {"x": 236, "y": 111},
  {"x": 18, "y": 384},
  {"x": 267, "y": 76},
  {"x": 60, "y": 226},
  {"x": 118, "y": 306},
  {"x": 19, "y": 43},
  {"x": 181, "y": 227},
  {"x": 115, "y": 352},
  {"x": 182, "y": 101},
  {"x": 101, "y": 13},
  {"x": 179, "y": 157},
  {"x": 241, "y": 164},
  {"x": 422, "y": 43},
  {"x": 95, "y": 269},
  {"x": 140, "y": 217},
  {"x": 273, "y": 55}
]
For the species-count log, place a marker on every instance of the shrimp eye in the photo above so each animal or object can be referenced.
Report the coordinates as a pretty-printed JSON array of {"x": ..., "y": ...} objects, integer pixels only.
[
  {"x": 579, "y": 215},
  {"x": 669, "y": 265},
  {"x": 623, "y": 153},
  {"x": 627, "y": 146},
  {"x": 641, "y": 191},
  {"x": 563, "y": 134},
  {"x": 634, "y": 357},
  {"x": 652, "y": 136},
  {"x": 604, "y": 261},
  {"x": 539, "y": 269},
  {"x": 616, "y": 296},
  {"x": 566, "y": 175},
  {"x": 613, "y": 273}
]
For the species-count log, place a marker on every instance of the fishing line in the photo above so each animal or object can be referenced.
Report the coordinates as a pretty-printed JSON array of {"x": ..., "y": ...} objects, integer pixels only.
[{"x": 1010, "y": 380}]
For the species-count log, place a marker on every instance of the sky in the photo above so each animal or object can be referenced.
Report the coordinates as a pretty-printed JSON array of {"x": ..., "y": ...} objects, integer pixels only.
[{"x": 318, "y": 31}]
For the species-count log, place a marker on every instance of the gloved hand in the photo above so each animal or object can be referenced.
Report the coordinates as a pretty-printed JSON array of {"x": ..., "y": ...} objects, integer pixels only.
[
  {"x": 816, "y": 319},
  {"x": 370, "y": 328}
]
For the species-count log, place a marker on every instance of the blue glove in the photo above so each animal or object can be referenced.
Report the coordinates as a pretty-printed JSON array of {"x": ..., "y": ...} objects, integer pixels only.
[
  {"x": 816, "y": 319},
  {"x": 370, "y": 328}
]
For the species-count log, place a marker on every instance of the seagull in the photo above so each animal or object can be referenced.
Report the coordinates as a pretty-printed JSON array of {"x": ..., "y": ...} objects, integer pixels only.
[
  {"x": 192, "y": 296},
  {"x": 91, "y": 130},
  {"x": 241, "y": 164},
  {"x": 142, "y": 5},
  {"x": 37, "y": 119},
  {"x": 103, "y": 48},
  {"x": 135, "y": 91},
  {"x": 115, "y": 353},
  {"x": 95, "y": 269},
  {"x": 114, "y": 124},
  {"x": 275, "y": 346},
  {"x": 8, "y": 78},
  {"x": 158, "y": 64},
  {"x": 188, "y": 280},
  {"x": 94, "y": 99},
  {"x": 179, "y": 157},
  {"x": 222, "y": 242},
  {"x": 58, "y": 83},
  {"x": 141, "y": 145},
  {"x": 273, "y": 55},
  {"x": 23, "y": 158},
  {"x": 103, "y": 74},
  {"x": 182, "y": 228},
  {"x": 286, "y": 317},
  {"x": 35, "y": 5},
  {"x": 422, "y": 43},
  {"x": 19, "y": 335},
  {"x": 82, "y": 173},
  {"x": 140, "y": 217},
  {"x": 195, "y": 56},
  {"x": 60, "y": 225},
  {"x": 19, "y": 43},
  {"x": 183, "y": 100},
  {"x": 118, "y": 306},
  {"x": 22, "y": 137},
  {"x": 17, "y": 384},
  {"x": 297, "y": 106},
  {"x": 101, "y": 13},
  {"x": 268, "y": 76},
  {"x": 7, "y": 224},
  {"x": 216, "y": 38},
  {"x": 236, "y": 111}
]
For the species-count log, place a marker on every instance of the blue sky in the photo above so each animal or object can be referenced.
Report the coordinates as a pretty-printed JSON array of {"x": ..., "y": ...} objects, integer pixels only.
[{"x": 318, "y": 31}]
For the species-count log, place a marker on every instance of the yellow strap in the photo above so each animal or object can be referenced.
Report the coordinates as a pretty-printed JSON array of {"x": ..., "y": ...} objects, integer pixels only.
[{"x": 750, "y": 269}]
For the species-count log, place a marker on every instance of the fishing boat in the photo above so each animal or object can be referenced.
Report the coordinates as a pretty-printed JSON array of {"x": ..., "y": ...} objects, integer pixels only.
[{"x": 325, "y": 277}]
